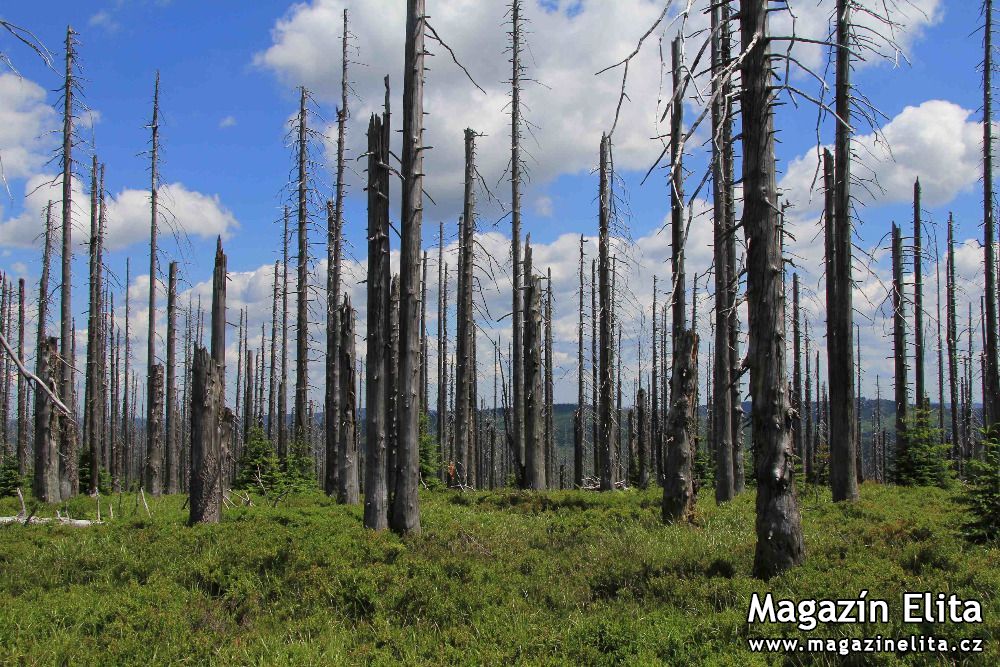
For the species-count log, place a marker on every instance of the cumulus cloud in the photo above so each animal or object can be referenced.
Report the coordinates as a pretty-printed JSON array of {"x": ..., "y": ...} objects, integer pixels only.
[{"x": 24, "y": 119}]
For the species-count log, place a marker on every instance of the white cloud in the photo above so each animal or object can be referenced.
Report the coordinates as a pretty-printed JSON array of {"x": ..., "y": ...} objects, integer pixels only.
[
  {"x": 104, "y": 20},
  {"x": 544, "y": 206},
  {"x": 228, "y": 121},
  {"x": 25, "y": 117}
]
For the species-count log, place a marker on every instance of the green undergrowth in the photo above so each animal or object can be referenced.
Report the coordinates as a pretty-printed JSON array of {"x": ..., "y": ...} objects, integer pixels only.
[{"x": 494, "y": 578}]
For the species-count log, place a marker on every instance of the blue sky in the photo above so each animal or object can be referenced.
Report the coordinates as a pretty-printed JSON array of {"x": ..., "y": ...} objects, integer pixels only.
[{"x": 229, "y": 71}]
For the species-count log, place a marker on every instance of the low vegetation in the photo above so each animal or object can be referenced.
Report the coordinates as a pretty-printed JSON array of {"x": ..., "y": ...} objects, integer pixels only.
[{"x": 502, "y": 577}]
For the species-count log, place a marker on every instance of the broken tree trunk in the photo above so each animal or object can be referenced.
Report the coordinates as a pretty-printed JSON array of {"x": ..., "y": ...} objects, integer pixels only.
[
  {"x": 606, "y": 342},
  {"x": 347, "y": 489},
  {"x": 173, "y": 453},
  {"x": 46, "y": 476},
  {"x": 678, "y": 484},
  {"x": 534, "y": 454},
  {"x": 899, "y": 347},
  {"x": 578, "y": 415}
]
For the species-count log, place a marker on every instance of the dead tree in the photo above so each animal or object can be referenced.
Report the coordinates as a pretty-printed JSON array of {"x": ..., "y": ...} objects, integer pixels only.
[
  {"x": 93, "y": 399},
  {"x": 347, "y": 490},
  {"x": 392, "y": 391},
  {"x": 22, "y": 389},
  {"x": 991, "y": 396},
  {"x": 127, "y": 404},
  {"x": 677, "y": 233},
  {"x": 951, "y": 329},
  {"x": 550, "y": 453},
  {"x": 899, "y": 347},
  {"x": 797, "y": 365},
  {"x": 335, "y": 226},
  {"x": 211, "y": 422},
  {"x": 809, "y": 446},
  {"x": 722, "y": 407},
  {"x": 642, "y": 408},
  {"x": 517, "y": 307},
  {"x": 465, "y": 437},
  {"x": 839, "y": 343},
  {"x": 918, "y": 299},
  {"x": 779, "y": 530},
  {"x": 534, "y": 455},
  {"x": 678, "y": 484},
  {"x": 69, "y": 473},
  {"x": 302, "y": 280},
  {"x": 154, "y": 398},
  {"x": 594, "y": 370},
  {"x": 283, "y": 382},
  {"x": 424, "y": 404},
  {"x": 580, "y": 395},
  {"x": 654, "y": 427},
  {"x": 376, "y": 358},
  {"x": 172, "y": 443},
  {"x": 272, "y": 394},
  {"x": 442, "y": 391},
  {"x": 46, "y": 477},
  {"x": 606, "y": 342}
]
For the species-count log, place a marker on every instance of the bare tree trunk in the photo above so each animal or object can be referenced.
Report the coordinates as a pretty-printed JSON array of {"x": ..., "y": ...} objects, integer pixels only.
[
  {"x": 91, "y": 437},
  {"x": 22, "y": 389},
  {"x": 464, "y": 370},
  {"x": 991, "y": 382},
  {"x": 578, "y": 415},
  {"x": 172, "y": 448},
  {"x": 442, "y": 390},
  {"x": 347, "y": 491},
  {"x": 424, "y": 404},
  {"x": 550, "y": 454},
  {"x": 809, "y": 447},
  {"x": 797, "y": 366},
  {"x": 534, "y": 456},
  {"x": 642, "y": 425},
  {"x": 302, "y": 283},
  {"x": 69, "y": 481},
  {"x": 272, "y": 394},
  {"x": 655, "y": 428},
  {"x": 332, "y": 399},
  {"x": 127, "y": 403},
  {"x": 283, "y": 382},
  {"x": 606, "y": 359},
  {"x": 114, "y": 434},
  {"x": 722, "y": 406},
  {"x": 154, "y": 422},
  {"x": 377, "y": 420},
  {"x": 779, "y": 530},
  {"x": 918, "y": 298},
  {"x": 46, "y": 476},
  {"x": 517, "y": 308},
  {"x": 594, "y": 365},
  {"x": 678, "y": 486},
  {"x": 952, "y": 341},
  {"x": 211, "y": 422},
  {"x": 899, "y": 347},
  {"x": 677, "y": 275}
]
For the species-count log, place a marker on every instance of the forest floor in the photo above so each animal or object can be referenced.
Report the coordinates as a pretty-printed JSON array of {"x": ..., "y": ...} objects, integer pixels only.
[{"x": 494, "y": 578}]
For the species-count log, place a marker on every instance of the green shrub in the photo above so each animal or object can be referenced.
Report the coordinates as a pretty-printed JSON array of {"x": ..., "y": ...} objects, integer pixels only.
[
  {"x": 982, "y": 495},
  {"x": 9, "y": 479},
  {"x": 260, "y": 469},
  {"x": 924, "y": 462}
]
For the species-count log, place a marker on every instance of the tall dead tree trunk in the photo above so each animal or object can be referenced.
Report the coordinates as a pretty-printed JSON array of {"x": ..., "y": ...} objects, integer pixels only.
[
  {"x": 283, "y": 382},
  {"x": 951, "y": 329},
  {"x": 655, "y": 428},
  {"x": 678, "y": 484},
  {"x": 154, "y": 398},
  {"x": 797, "y": 365},
  {"x": 677, "y": 276},
  {"x": 302, "y": 282},
  {"x": 172, "y": 440},
  {"x": 991, "y": 402},
  {"x": 45, "y": 486},
  {"x": 93, "y": 402},
  {"x": 211, "y": 422},
  {"x": 534, "y": 455},
  {"x": 550, "y": 454},
  {"x": 606, "y": 358},
  {"x": 377, "y": 358},
  {"x": 272, "y": 394},
  {"x": 899, "y": 347},
  {"x": 594, "y": 366},
  {"x": 517, "y": 307},
  {"x": 779, "y": 529},
  {"x": 347, "y": 490},
  {"x": 940, "y": 346},
  {"x": 578, "y": 415},
  {"x": 809, "y": 447},
  {"x": 22, "y": 389},
  {"x": 642, "y": 426},
  {"x": 442, "y": 389},
  {"x": 335, "y": 226},
  {"x": 392, "y": 392},
  {"x": 722, "y": 406},
  {"x": 69, "y": 482},
  {"x": 464, "y": 369},
  {"x": 424, "y": 404},
  {"x": 918, "y": 299},
  {"x": 125, "y": 469}
]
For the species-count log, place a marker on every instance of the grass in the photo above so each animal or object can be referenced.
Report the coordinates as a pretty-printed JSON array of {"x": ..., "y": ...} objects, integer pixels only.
[{"x": 494, "y": 578}]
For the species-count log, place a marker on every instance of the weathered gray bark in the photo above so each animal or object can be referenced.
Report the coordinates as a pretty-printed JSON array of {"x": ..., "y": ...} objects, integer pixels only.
[
  {"x": 678, "y": 483},
  {"x": 283, "y": 381},
  {"x": 797, "y": 367},
  {"x": 405, "y": 517},
  {"x": 918, "y": 299},
  {"x": 655, "y": 424},
  {"x": 779, "y": 530},
  {"x": 899, "y": 346},
  {"x": 809, "y": 445},
  {"x": 578, "y": 415},
  {"x": 951, "y": 334},
  {"x": 550, "y": 453},
  {"x": 22, "y": 389},
  {"x": 173, "y": 453},
  {"x": 46, "y": 476},
  {"x": 424, "y": 404},
  {"x": 69, "y": 481},
  {"x": 465, "y": 435},
  {"x": 392, "y": 391},
  {"x": 301, "y": 284},
  {"x": 606, "y": 359},
  {"x": 642, "y": 406},
  {"x": 347, "y": 489},
  {"x": 376, "y": 359},
  {"x": 154, "y": 398},
  {"x": 91, "y": 437},
  {"x": 517, "y": 307},
  {"x": 594, "y": 370},
  {"x": 442, "y": 389},
  {"x": 206, "y": 444},
  {"x": 677, "y": 275},
  {"x": 991, "y": 382},
  {"x": 534, "y": 455}
]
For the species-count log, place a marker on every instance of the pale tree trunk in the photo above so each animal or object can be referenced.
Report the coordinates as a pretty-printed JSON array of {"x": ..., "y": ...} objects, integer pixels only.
[
  {"x": 678, "y": 485},
  {"x": 392, "y": 391},
  {"x": 464, "y": 370},
  {"x": 899, "y": 346},
  {"x": 347, "y": 490},
  {"x": 952, "y": 340},
  {"x": 779, "y": 530},
  {"x": 550, "y": 454},
  {"x": 69, "y": 481},
  {"x": 580, "y": 395},
  {"x": 46, "y": 477},
  {"x": 172, "y": 444},
  {"x": 607, "y": 343},
  {"x": 594, "y": 366},
  {"x": 442, "y": 398},
  {"x": 807, "y": 454},
  {"x": 677, "y": 275},
  {"x": 534, "y": 455},
  {"x": 22, "y": 389},
  {"x": 376, "y": 371},
  {"x": 302, "y": 285},
  {"x": 517, "y": 307},
  {"x": 272, "y": 394},
  {"x": 918, "y": 300},
  {"x": 991, "y": 382},
  {"x": 154, "y": 398},
  {"x": 283, "y": 382}
]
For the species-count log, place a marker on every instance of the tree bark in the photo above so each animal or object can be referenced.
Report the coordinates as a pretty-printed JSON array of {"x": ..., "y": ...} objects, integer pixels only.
[
  {"x": 899, "y": 347},
  {"x": 678, "y": 485},
  {"x": 606, "y": 359},
  {"x": 534, "y": 456},
  {"x": 779, "y": 530},
  {"x": 918, "y": 298},
  {"x": 464, "y": 369},
  {"x": 154, "y": 398},
  {"x": 578, "y": 415},
  {"x": 991, "y": 403},
  {"x": 952, "y": 341},
  {"x": 347, "y": 491},
  {"x": 172, "y": 441},
  {"x": 517, "y": 307}
]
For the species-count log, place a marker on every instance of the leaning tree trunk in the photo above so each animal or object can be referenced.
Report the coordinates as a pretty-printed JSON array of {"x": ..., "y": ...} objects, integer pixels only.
[
  {"x": 779, "y": 529},
  {"x": 606, "y": 360},
  {"x": 376, "y": 360},
  {"x": 347, "y": 490},
  {"x": 899, "y": 349},
  {"x": 678, "y": 484}
]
